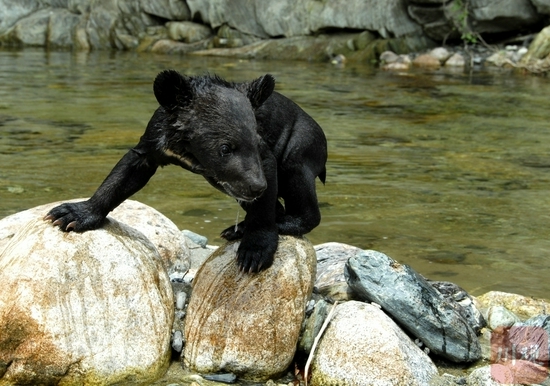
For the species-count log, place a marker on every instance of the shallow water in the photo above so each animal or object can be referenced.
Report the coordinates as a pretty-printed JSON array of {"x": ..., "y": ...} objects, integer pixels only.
[{"x": 447, "y": 172}]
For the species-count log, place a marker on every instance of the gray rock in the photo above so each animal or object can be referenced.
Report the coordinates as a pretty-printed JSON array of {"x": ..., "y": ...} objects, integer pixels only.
[
  {"x": 177, "y": 341},
  {"x": 498, "y": 316},
  {"x": 450, "y": 20},
  {"x": 543, "y": 6},
  {"x": 303, "y": 17},
  {"x": 482, "y": 377},
  {"x": 224, "y": 378},
  {"x": 62, "y": 23},
  {"x": 313, "y": 325},
  {"x": 167, "y": 9},
  {"x": 363, "y": 346},
  {"x": 462, "y": 302},
  {"x": 331, "y": 260},
  {"x": 456, "y": 60},
  {"x": 195, "y": 238},
  {"x": 414, "y": 303},
  {"x": 492, "y": 16},
  {"x": 15, "y": 10},
  {"x": 187, "y": 31}
]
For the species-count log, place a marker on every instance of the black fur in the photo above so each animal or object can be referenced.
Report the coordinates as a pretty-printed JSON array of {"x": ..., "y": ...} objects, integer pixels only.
[{"x": 247, "y": 140}]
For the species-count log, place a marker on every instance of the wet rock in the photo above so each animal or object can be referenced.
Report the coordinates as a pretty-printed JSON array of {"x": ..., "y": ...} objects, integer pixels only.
[
  {"x": 248, "y": 324},
  {"x": 363, "y": 346},
  {"x": 456, "y": 60},
  {"x": 402, "y": 63},
  {"x": 414, "y": 303},
  {"x": 169, "y": 46},
  {"x": 498, "y": 316},
  {"x": 187, "y": 32},
  {"x": 83, "y": 308},
  {"x": 331, "y": 260},
  {"x": 426, "y": 61},
  {"x": 523, "y": 306},
  {"x": 441, "y": 54},
  {"x": 387, "y": 57},
  {"x": 539, "y": 48}
]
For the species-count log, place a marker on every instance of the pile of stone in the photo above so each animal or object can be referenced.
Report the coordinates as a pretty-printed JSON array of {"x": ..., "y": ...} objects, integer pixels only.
[
  {"x": 510, "y": 56},
  {"x": 139, "y": 302}
]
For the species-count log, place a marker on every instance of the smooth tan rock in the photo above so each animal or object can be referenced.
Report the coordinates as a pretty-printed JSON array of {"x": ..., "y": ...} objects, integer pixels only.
[
  {"x": 363, "y": 346},
  {"x": 249, "y": 324},
  {"x": 426, "y": 61},
  {"x": 539, "y": 48},
  {"x": 456, "y": 60},
  {"x": 187, "y": 31},
  {"x": 83, "y": 308},
  {"x": 522, "y": 306},
  {"x": 160, "y": 230}
]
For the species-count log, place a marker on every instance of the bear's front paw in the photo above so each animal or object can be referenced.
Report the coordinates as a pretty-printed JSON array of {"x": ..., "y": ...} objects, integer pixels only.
[
  {"x": 234, "y": 232},
  {"x": 256, "y": 251},
  {"x": 78, "y": 217}
]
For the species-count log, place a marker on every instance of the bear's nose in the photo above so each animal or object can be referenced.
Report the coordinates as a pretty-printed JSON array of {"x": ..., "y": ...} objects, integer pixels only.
[{"x": 256, "y": 190}]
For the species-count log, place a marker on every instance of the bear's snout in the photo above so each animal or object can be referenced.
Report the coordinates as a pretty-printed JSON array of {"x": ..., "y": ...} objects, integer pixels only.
[{"x": 255, "y": 190}]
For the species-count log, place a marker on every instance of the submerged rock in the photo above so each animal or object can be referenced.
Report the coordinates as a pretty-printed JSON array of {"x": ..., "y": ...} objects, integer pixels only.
[
  {"x": 83, "y": 308},
  {"x": 363, "y": 346},
  {"x": 248, "y": 324},
  {"x": 414, "y": 303}
]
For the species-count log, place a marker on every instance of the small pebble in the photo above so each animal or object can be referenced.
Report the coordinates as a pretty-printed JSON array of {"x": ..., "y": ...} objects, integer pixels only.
[
  {"x": 180, "y": 300},
  {"x": 177, "y": 341},
  {"x": 224, "y": 378}
]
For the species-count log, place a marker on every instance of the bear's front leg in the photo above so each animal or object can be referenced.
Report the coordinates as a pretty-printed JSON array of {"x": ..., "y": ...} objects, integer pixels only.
[
  {"x": 129, "y": 175},
  {"x": 260, "y": 236}
]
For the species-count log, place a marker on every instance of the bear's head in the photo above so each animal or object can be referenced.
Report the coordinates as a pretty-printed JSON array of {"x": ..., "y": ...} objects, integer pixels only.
[{"x": 211, "y": 127}]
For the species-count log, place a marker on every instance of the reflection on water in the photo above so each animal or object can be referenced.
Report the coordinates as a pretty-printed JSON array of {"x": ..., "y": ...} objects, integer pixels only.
[{"x": 445, "y": 172}]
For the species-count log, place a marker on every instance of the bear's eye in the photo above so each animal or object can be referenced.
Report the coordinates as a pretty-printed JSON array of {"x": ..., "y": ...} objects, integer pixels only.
[{"x": 225, "y": 150}]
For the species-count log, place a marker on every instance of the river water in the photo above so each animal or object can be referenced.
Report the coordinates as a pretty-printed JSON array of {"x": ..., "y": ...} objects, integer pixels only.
[{"x": 444, "y": 171}]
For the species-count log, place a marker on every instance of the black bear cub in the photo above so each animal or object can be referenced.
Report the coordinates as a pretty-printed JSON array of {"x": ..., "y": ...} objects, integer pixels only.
[{"x": 245, "y": 139}]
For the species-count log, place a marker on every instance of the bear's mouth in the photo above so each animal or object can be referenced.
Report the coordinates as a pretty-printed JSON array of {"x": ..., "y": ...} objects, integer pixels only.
[{"x": 236, "y": 195}]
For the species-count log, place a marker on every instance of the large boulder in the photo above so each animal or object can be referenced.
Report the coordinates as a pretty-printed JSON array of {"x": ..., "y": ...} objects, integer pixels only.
[
  {"x": 444, "y": 20},
  {"x": 83, "y": 308},
  {"x": 363, "y": 346},
  {"x": 14, "y": 10},
  {"x": 415, "y": 304},
  {"x": 161, "y": 231},
  {"x": 248, "y": 324}
]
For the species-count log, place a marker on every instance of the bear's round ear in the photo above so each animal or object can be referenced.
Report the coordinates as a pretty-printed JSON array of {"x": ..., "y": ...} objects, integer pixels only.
[
  {"x": 171, "y": 89},
  {"x": 260, "y": 89}
]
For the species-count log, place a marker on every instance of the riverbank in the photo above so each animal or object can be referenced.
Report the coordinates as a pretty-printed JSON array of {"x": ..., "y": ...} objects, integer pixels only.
[{"x": 309, "y": 30}]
